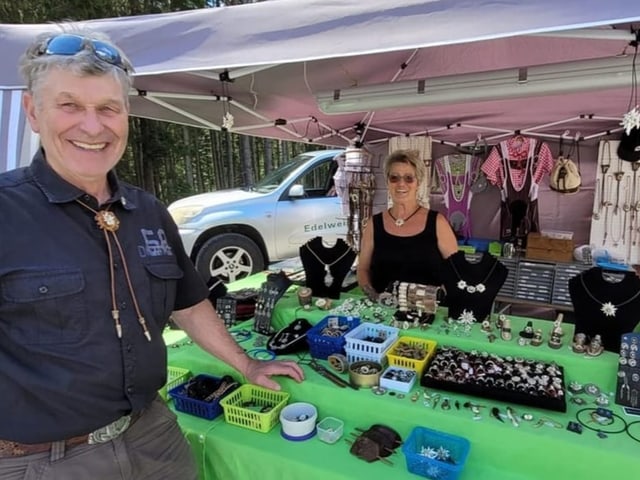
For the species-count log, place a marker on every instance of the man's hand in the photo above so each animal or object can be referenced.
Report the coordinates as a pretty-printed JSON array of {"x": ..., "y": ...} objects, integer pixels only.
[{"x": 259, "y": 372}]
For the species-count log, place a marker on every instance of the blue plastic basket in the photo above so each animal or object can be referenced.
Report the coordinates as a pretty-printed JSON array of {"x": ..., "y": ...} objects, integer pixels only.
[
  {"x": 192, "y": 406},
  {"x": 421, "y": 439},
  {"x": 321, "y": 346}
]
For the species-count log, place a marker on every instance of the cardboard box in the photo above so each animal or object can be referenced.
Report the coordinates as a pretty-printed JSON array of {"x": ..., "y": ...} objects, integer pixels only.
[{"x": 549, "y": 249}]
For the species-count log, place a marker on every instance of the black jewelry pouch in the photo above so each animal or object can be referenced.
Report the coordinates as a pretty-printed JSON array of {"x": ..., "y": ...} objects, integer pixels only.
[{"x": 290, "y": 339}]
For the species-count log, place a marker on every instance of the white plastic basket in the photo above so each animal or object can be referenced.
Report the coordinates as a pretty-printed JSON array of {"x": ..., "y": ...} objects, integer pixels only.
[{"x": 360, "y": 344}]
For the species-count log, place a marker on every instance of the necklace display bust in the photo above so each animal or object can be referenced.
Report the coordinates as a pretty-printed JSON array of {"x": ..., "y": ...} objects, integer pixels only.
[
  {"x": 605, "y": 304},
  {"x": 326, "y": 267},
  {"x": 472, "y": 286}
]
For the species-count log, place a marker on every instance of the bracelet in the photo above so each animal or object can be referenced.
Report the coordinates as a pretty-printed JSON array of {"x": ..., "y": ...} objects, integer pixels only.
[
  {"x": 261, "y": 354},
  {"x": 613, "y": 417},
  {"x": 241, "y": 335}
]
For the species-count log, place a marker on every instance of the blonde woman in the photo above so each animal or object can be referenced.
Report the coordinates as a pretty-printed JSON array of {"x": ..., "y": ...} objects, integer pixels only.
[{"x": 408, "y": 242}]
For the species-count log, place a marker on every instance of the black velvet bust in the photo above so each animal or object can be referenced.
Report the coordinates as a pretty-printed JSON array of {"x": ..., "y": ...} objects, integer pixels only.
[
  {"x": 339, "y": 258},
  {"x": 487, "y": 271},
  {"x": 605, "y": 304}
]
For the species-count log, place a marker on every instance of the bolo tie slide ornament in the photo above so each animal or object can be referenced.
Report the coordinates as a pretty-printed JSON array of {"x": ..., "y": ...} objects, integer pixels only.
[
  {"x": 107, "y": 220},
  {"x": 109, "y": 223}
]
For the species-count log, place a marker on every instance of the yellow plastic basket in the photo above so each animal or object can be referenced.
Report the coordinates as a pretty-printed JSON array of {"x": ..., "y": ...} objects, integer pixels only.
[
  {"x": 175, "y": 376},
  {"x": 395, "y": 358},
  {"x": 243, "y": 407}
]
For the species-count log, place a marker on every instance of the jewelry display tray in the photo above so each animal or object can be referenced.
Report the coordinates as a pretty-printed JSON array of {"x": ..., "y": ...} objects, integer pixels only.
[{"x": 441, "y": 374}]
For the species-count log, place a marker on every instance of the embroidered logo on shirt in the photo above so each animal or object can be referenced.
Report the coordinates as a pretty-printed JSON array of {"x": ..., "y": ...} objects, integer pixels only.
[{"x": 155, "y": 244}]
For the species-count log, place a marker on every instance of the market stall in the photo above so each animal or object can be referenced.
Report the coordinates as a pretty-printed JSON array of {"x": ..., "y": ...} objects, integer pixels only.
[{"x": 507, "y": 440}]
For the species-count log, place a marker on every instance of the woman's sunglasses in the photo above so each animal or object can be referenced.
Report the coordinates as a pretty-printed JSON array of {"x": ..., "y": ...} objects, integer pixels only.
[
  {"x": 69, "y": 44},
  {"x": 394, "y": 178}
]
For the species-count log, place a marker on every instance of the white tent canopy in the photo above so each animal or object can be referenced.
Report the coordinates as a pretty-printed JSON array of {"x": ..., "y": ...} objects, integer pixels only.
[{"x": 269, "y": 65}]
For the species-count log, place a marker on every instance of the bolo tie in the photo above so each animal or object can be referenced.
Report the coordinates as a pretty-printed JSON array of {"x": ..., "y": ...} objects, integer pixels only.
[{"x": 109, "y": 224}]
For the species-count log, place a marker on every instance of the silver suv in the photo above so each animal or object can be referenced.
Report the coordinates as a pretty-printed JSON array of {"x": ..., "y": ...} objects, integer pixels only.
[{"x": 234, "y": 233}]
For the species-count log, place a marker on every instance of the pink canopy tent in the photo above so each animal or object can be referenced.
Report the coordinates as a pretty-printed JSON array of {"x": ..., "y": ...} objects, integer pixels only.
[{"x": 283, "y": 68}]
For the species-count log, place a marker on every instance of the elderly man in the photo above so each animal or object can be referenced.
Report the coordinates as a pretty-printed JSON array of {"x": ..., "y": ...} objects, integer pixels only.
[{"x": 91, "y": 268}]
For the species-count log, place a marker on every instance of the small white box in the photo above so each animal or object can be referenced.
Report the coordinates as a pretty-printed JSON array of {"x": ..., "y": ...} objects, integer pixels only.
[{"x": 330, "y": 429}]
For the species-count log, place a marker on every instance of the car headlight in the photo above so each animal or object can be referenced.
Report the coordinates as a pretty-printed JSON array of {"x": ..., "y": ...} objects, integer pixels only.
[{"x": 182, "y": 215}]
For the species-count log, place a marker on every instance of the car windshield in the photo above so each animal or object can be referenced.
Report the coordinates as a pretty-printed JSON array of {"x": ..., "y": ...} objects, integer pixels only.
[{"x": 275, "y": 178}]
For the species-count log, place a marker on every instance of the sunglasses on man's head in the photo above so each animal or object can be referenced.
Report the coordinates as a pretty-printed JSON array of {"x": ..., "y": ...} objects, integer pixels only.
[
  {"x": 69, "y": 44},
  {"x": 395, "y": 178}
]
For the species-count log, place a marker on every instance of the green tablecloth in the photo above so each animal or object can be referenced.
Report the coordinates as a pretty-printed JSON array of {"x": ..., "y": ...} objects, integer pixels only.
[{"x": 498, "y": 450}]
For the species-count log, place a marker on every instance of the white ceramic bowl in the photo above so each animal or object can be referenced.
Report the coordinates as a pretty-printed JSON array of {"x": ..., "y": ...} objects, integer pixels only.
[{"x": 298, "y": 421}]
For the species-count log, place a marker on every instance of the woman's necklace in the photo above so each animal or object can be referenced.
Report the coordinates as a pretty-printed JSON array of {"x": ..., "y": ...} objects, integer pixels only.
[
  {"x": 477, "y": 288},
  {"x": 401, "y": 221},
  {"x": 328, "y": 278},
  {"x": 608, "y": 308}
]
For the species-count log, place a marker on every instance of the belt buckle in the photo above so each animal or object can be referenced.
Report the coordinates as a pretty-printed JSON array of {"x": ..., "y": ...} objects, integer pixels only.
[{"x": 109, "y": 432}]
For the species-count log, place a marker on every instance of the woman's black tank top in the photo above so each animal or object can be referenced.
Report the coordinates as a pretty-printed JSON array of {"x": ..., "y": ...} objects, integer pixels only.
[{"x": 405, "y": 259}]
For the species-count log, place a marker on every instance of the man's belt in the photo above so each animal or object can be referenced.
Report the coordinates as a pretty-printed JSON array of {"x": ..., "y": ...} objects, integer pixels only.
[{"x": 104, "y": 434}]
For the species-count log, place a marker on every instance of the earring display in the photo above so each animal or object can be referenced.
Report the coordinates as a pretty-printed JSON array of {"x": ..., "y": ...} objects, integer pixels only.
[
  {"x": 360, "y": 189},
  {"x": 268, "y": 294},
  {"x": 628, "y": 384},
  {"x": 226, "y": 308},
  {"x": 616, "y": 204},
  {"x": 523, "y": 381}
]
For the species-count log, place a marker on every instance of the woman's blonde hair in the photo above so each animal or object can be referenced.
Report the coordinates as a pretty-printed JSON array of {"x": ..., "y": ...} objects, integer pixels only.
[{"x": 411, "y": 157}]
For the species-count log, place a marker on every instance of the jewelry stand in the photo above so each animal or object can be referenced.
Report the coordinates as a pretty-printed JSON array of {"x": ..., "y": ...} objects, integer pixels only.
[
  {"x": 326, "y": 268},
  {"x": 269, "y": 293},
  {"x": 472, "y": 286},
  {"x": 605, "y": 304},
  {"x": 361, "y": 185},
  {"x": 628, "y": 384}
]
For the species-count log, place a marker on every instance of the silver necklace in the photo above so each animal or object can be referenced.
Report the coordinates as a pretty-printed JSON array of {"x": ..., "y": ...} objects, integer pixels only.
[
  {"x": 608, "y": 308},
  {"x": 401, "y": 221},
  {"x": 328, "y": 278},
  {"x": 478, "y": 287}
]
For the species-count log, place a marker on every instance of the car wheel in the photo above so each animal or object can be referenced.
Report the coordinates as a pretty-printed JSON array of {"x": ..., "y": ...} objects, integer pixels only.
[{"x": 230, "y": 256}]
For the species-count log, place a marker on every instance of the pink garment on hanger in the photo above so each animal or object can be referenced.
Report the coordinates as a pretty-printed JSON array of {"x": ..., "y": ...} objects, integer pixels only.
[
  {"x": 518, "y": 149},
  {"x": 456, "y": 190}
]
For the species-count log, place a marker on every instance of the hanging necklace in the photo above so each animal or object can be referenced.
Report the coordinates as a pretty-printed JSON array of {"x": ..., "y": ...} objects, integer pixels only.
[
  {"x": 478, "y": 287},
  {"x": 401, "y": 221},
  {"x": 608, "y": 308},
  {"x": 109, "y": 224},
  {"x": 328, "y": 278}
]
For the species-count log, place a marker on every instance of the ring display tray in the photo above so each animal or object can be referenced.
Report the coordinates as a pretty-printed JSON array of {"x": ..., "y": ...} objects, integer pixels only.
[{"x": 512, "y": 380}]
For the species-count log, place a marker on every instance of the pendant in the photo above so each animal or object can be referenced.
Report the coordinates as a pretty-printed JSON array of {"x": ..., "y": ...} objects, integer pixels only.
[
  {"x": 609, "y": 309},
  {"x": 107, "y": 220},
  {"x": 399, "y": 222},
  {"x": 328, "y": 278}
]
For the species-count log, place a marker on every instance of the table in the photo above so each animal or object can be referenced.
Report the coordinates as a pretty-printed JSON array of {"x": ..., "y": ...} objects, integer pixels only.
[{"x": 498, "y": 450}]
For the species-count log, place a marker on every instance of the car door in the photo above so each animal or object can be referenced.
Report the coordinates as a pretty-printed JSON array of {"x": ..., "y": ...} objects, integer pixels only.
[{"x": 317, "y": 213}]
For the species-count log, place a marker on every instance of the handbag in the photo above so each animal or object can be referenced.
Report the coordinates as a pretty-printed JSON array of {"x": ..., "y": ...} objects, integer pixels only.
[{"x": 565, "y": 175}]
